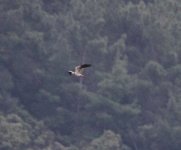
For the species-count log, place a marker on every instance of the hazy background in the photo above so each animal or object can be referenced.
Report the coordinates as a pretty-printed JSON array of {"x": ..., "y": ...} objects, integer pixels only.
[{"x": 130, "y": 99}]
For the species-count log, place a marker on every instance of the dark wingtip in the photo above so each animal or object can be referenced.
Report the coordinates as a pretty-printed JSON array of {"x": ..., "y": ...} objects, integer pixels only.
[{"x": 86, "y": 65}]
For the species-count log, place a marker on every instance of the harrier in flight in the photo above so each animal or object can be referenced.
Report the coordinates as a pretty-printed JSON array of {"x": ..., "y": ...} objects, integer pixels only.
[{"x": 79, "y": 70}]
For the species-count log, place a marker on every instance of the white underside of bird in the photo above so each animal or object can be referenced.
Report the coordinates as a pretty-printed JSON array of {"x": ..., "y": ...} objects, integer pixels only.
[{"x": 79, "y": 70}]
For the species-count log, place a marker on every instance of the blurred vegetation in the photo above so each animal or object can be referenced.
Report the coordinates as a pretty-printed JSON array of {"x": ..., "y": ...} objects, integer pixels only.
[{"x": 130, "y": 99}]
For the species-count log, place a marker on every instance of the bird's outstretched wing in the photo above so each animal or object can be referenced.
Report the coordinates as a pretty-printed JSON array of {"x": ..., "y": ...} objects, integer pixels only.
[
  {"x": 79, "y": 69},
  {"x": 85, "y": 65}
]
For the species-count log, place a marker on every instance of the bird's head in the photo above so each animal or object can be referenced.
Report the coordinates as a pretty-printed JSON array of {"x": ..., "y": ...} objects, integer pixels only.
[{"x": 70, "y": 72}]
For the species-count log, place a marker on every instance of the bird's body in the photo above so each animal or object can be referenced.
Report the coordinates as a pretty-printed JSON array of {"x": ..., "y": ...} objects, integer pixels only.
[
  {"x": 75, "y": 73},
  {"x": 79, "y": 70}
]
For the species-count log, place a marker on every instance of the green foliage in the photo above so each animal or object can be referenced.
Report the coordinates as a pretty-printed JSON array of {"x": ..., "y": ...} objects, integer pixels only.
[
  {"x": 18, "y": 132},
  {"x": 14, "y": 133},
  {"x": 109, "y": 140},
  {"x": 132, "y": 89}
]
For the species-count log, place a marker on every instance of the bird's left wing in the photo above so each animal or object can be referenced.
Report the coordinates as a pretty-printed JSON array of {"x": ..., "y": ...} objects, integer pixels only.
[
  {"x": 80, "y": 68},
  {"x": 85, "y": 65}
]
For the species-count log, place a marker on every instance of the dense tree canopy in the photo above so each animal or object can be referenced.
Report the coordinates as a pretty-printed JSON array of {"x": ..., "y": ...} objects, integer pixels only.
[{"x": 130, "y": 99}]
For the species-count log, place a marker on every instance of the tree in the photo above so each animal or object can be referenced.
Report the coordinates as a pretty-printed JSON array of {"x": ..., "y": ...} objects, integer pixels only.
[{"x": 108, "y": 141}]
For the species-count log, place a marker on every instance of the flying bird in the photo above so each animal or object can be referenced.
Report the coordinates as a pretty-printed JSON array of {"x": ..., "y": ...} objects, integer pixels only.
[{"x": 79, "y": 70}]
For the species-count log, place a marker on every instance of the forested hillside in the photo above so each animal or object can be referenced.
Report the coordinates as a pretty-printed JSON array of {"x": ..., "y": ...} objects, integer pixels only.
[{"x": 129, "y": 99}]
